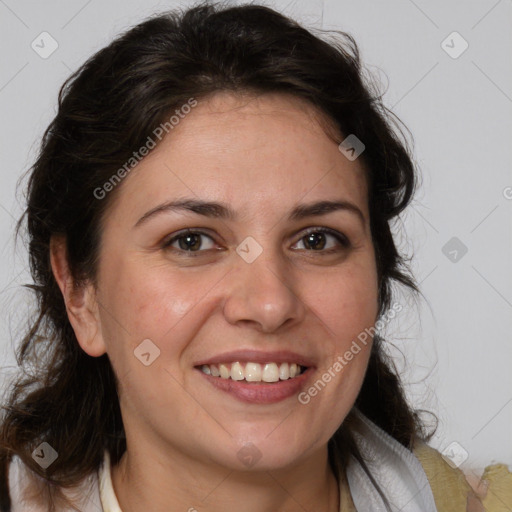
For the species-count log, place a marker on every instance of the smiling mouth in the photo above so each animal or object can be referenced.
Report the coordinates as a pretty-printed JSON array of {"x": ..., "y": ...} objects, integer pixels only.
[{"x": 254, "y": 372}]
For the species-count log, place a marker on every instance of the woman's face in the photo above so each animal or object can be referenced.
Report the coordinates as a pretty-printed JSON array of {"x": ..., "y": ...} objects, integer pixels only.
[{"x": 246, "y": 294}]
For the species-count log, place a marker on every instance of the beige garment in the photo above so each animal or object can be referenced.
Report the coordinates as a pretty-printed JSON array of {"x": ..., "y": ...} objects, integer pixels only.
[{"x": 451, "y": 490}]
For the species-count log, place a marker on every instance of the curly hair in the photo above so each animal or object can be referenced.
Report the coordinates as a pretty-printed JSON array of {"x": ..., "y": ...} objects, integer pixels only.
[{"x": 105, "y": 110}]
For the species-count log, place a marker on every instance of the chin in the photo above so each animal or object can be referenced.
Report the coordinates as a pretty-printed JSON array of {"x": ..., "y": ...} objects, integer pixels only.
[{"x": 266, "y": 452}]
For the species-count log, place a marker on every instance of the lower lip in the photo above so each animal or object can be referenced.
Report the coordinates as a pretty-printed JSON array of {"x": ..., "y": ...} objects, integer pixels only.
[{"x": 260, "y": 393}]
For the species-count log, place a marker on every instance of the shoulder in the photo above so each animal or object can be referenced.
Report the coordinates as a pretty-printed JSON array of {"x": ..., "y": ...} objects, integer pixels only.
[
  {"x": 28, "y": 492},
  {"x": 449, "y": 485},
  {"x": 452, "y": 490}
]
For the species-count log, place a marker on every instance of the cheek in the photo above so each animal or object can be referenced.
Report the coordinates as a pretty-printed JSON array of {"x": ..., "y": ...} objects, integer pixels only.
[
  {"x": 348, "y": 308},
  {"x": 346, "y": 303},
  {"x": 146, "y": 302}
]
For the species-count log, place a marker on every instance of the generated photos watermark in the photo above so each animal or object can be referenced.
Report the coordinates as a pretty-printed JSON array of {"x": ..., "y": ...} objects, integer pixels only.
[
  {"x": 343, "y": 360},
  {"x": 158, "y": 134}
]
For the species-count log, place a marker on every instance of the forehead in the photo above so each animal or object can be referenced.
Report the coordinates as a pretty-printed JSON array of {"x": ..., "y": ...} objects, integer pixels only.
[{"x": 260, "y": 153}]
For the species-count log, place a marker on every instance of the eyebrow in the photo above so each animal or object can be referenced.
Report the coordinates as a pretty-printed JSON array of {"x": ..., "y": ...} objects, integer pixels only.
[{"x": 222, "y": 211}]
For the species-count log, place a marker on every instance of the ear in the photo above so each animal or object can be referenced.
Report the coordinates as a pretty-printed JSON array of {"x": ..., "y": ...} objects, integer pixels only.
[{"x": 81, "y": 304}]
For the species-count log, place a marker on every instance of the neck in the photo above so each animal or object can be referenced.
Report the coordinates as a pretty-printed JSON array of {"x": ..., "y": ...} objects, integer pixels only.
[{"x": 150, "y": 479}]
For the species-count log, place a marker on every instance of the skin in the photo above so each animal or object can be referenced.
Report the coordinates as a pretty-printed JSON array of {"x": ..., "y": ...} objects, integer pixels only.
[{"x": 262, "y": 156}]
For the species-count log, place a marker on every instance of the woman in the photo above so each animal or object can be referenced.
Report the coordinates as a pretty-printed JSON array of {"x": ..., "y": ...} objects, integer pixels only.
[{"x": 210, "y": 244}]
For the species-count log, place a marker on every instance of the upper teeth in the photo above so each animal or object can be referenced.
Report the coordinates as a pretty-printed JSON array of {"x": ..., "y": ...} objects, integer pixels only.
[{"x": 253, "y": 372}]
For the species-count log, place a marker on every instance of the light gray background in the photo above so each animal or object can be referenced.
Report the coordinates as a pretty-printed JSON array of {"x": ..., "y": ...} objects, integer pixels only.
[{"x": 457, "y": 343}]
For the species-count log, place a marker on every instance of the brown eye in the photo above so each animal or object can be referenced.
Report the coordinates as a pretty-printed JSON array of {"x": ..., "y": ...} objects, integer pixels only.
[
  {"x": 317, "y": 240},
  {"x": 188, "y": 241}
]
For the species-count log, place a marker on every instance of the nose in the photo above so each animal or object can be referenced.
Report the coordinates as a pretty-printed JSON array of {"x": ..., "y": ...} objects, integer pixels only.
[{"x": 263, "y": 294}]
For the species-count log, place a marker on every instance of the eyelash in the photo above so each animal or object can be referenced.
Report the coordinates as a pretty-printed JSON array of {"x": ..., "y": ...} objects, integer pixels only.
[{"x": 342, "y": 239}]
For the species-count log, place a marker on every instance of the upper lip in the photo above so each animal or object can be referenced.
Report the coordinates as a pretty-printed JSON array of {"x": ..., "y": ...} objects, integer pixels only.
[{"x": 258, "y": 356}]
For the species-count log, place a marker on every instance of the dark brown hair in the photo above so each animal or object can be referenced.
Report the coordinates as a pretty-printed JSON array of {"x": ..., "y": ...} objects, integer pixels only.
[{"x": 106, "y": 110}]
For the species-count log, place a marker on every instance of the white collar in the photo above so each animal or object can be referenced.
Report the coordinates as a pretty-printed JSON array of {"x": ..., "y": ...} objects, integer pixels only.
[
  {"x": 107, "y": 495},
  {"x": 398, "y": 472}
]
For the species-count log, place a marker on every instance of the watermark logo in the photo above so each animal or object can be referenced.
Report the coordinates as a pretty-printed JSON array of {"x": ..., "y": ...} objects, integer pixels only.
[
  {"x": 249, "y": 249},
  {"x": 351, "y": 147},
  {"x": 343, "y": 360},
  {"x": 147, "y": 352},
  {"x": 455, "y": 454},
  {"x": 158, "y": 133},
  {"x": 454, "y": 45},
  {"x": 44, "y": 455},
  {"x": 44, "y": 45},
  {"x": 454, "y": 249},
  {"x": 249, "y": 455}
]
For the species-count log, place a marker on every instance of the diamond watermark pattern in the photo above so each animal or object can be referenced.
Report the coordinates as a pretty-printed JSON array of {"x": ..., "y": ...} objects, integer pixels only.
[
  {"x": 147, "y": 352},
  {"x": 455, "y": 454},
  {"x": 454, "y": 45},
  {"x": 44, "y": 455},
  {"x": 248, "y": 455},
  {"x": 249, "y": 249},
  {"x": 44, "y": 45},
  {"x": 351, "y": 147},
  {"x": 454, "y": 249}
]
